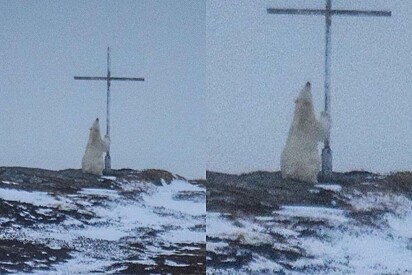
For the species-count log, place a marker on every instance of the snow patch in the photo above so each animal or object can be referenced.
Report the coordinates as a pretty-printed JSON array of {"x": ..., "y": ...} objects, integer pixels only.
[
  {"x": 172, "y": 263},
  {"x": 313, "y": 212},
  {"x": 100, "y": 192},
  {"x": 264, "y": 218},
  {"x": 161, "y": 219},
  {"x": 216, "y": 247},
  {"x": 261, "y": 264},
  {"x": 34, "y": 198},
  {"x": 9, "y": 182},
  {"x": 112, "y": 178},
  {"x": 330, "y": 187}
]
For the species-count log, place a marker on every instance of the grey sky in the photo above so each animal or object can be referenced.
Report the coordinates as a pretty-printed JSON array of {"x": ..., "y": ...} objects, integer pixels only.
[
  {"x": 45, "y": 114},
  {"x": 256, "y": 64}
]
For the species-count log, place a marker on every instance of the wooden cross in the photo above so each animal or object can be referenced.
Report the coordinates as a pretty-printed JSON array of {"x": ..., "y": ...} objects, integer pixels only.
[
  {"x": 328, "y": 12},
  {"x": 108, "y": 78}
]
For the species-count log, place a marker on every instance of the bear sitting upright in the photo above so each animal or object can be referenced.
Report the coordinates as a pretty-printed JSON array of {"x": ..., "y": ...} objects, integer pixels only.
[
  {"x": 300, "y": 158},
  {"x": 92, "y": 161}
]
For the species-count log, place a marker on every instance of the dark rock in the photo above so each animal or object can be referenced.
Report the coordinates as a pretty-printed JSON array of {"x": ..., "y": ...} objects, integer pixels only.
[
  {"x": 28, "y": 256},
  {"x": 240, "y": 198}
]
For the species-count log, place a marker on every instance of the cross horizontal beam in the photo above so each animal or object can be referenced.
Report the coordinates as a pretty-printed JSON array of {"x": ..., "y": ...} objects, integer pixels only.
[
  {"x": 110, "y": 78},
  {"x": 331, "y": 12}
]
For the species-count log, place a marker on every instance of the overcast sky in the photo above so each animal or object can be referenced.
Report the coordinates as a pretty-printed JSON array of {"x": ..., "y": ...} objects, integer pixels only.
[
  {"x": 46, "y": 114},
  {"x": 256, "y": 64},
  {"x": 233, "y": 82}
]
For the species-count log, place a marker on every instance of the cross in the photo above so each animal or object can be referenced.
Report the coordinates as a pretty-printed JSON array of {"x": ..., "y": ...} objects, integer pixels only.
[
  {"x": 108, "y": 78},
  {"x": 328, "y": 12}
]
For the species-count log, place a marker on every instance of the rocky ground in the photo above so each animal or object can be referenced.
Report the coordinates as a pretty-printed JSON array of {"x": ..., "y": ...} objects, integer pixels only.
[
  {"x": 154, "y": 222},
  {"x": 356, "y": 223},
  {"x": 67, "y": 222}
]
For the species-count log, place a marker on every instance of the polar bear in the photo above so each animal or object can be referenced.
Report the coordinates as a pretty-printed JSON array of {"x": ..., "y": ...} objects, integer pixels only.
[
  {"x": 300, "y": 158},
  {"x": 92, "y": 161}
]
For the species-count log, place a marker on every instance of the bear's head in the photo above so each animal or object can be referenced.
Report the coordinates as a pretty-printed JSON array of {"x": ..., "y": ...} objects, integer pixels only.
[
  {"x": 96, "y": 125},
  {"x": 304, "y": 110},
  {"x": 95, "y": 130}
]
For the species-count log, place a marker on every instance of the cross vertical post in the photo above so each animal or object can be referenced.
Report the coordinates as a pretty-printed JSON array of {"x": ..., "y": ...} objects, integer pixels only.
[
  {"x": 108, "y": 79},
  {"x": 328, "y": 12},
  {"x": 107, "y": 158},
  {"x": 327, "y": 151}
]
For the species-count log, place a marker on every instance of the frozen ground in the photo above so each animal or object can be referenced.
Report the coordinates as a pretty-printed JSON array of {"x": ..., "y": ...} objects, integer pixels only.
[
  {"x": 353, "y": 225},
  {"x": 69, "y": 223}
]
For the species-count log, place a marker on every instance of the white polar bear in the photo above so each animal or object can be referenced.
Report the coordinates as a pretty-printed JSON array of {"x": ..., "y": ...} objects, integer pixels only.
[
  {"x": 300, "y": 158},
  {"x": 92, "y": 161}
]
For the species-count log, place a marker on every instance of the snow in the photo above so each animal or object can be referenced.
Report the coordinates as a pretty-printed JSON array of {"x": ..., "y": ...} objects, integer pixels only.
[
  {"x": 44, "y": 211},
  {"x": 261, "y": 264},
  {"x": 402, "y": 226},
  {"x": 330, "y": 187},
  {"x": 174, "y": 219},
  {"x": 172, "y": 263},
  {"x": 376, "y": 200},
  {"x": 184, "y": 235},
  {"x": 264, "y": 218},
  {"x": 112, "y": 178},
  {"x": 343, "y": 245},
  {"x": 216, "y": 246},
  {"x": 355, "y": 252},
  {"x": 353, "y": 248},
  {"x": 4, "y": 220},
  {"x": 35, "y": 198},
  {"x": 77, "y": 265},
  {"x": 284, "y": 231},
  {"x": 100, "y": 192},
  {"x": 9, "y": 182},
  {"x": 165, "y": 198}
]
